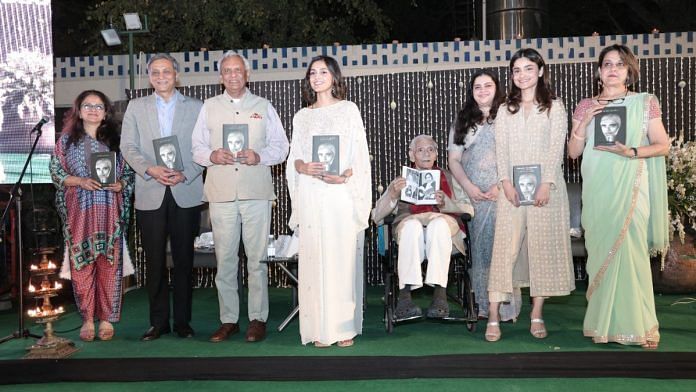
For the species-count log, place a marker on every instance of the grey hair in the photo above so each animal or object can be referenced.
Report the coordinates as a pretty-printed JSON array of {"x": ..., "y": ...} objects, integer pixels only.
[
  {"x": 163, "y": 56},
  {"x": 232, "y": 53},
  {"x": 412, "y": 145}
]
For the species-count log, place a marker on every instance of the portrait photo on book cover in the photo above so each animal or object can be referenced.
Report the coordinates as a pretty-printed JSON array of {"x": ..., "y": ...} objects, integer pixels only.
[
  {"x": 103, "y": 164},
  {"x": 167, "y": 153},
  {"x": 235, "y": 138},
  {"x": 610, "y": 126},
  {"x": 526, "y": 179},
  {"x": 421, "y": 186},
  {"x": 325, "y": 149}
]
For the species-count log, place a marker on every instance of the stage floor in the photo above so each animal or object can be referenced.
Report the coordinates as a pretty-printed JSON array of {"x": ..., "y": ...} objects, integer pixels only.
[{"x": 423, "y": 349}]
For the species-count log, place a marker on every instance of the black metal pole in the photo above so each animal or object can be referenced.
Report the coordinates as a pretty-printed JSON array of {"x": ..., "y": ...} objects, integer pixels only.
[{"x": 16, "y": 196}]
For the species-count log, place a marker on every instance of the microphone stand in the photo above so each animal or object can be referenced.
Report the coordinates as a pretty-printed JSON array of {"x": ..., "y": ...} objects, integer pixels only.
[{"x": 16, "y": 196}]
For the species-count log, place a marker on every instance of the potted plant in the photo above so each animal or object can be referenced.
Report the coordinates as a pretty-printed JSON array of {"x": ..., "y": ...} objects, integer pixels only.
[{"x": 678, "y": 274}]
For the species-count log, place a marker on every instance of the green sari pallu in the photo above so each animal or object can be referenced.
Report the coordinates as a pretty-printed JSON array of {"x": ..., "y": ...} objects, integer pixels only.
[{"x": 625, "y": 219}]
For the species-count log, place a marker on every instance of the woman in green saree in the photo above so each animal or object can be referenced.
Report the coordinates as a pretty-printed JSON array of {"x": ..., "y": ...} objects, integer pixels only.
[{"x": 624, "y": 204}]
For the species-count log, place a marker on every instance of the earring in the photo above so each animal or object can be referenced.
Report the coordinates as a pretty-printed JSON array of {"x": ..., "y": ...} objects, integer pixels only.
[{"x": 333, "y": 90}]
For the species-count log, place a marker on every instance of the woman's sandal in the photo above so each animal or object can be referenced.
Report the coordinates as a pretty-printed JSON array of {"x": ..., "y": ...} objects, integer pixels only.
[
  {"x": 538, "y": 333},
  {"x": 106, "y": 330},
  {"x": 321, "y": 345},
  {"x": 345, "y": 343},
  {"x": 493, "y": 336},
  {"x": 87, "y": 332},
  {"x": 650, "y": 345}
]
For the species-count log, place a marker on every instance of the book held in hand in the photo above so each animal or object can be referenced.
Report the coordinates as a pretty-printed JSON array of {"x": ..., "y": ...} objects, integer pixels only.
[
  {"x": 325, "y": 149},
  {"x": 526, "y": 179},
  {"x": 103, "y": 167},
  {"x": 610, "y": 126},
  {"x": 421, "y": 186},
  {"x": 167, "y": 153},
  {"x": 235, "y": 138}
]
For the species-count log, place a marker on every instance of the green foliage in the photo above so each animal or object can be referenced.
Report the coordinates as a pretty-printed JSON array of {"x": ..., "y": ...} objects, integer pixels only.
[{"x": 181, "y": 25}]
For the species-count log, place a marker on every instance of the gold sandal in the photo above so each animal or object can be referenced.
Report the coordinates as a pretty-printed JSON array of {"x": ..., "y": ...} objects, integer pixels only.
[
  {"x": 345, "y": 343},
  {"x": 106, "y": 330},
  {"x": 493, "y": 336}
]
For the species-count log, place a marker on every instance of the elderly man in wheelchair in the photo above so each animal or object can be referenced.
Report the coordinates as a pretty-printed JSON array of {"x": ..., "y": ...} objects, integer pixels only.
[{"x": 425, "y": 232}]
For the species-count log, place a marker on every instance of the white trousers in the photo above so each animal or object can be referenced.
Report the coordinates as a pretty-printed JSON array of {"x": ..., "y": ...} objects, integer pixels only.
[{"x": 416, "y": 243}]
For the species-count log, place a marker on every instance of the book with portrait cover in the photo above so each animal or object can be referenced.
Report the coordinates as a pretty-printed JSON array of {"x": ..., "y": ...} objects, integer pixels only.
[
  {"x": 235, "y": 138},
  {"x": 167, "y": 153},
  {"x": 325, "y": 149},
  {"x": 526, "y": 178},
  {"x": 103, "y": 167},
  {"x": 421, "y": 186},
  {"x": 610, "y": 126}
]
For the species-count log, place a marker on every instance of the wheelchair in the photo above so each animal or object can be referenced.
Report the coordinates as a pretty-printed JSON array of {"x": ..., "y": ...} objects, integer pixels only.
[{"x": 459, "y": 288}]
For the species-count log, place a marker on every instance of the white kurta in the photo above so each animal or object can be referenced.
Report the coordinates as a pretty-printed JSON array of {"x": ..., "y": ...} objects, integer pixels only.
[{"x": 330, "y": 218}]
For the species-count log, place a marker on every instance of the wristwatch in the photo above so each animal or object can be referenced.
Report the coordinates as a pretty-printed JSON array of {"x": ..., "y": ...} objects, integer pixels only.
[{"x": 635, "y": 153}]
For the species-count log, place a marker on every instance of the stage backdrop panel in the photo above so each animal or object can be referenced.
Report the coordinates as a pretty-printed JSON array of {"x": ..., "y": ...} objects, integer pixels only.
[{"x": 26, "y": 88}]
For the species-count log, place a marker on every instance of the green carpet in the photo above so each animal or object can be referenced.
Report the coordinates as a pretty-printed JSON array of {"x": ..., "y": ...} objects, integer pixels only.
[{"x": 563, "y": 319}]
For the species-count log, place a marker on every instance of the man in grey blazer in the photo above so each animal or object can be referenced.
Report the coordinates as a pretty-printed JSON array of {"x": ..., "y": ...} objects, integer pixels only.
[{"x": 166, "y": 201}]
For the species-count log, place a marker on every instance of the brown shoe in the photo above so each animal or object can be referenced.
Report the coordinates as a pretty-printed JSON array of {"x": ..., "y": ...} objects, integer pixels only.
[
  {"x": 224, "y": 332},
  {"x": 256, "y": 331}
]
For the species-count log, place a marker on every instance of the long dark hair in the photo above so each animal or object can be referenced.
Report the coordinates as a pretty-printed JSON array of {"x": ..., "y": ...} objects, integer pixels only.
[
  {"x": 544, "y": 95},
  {"x": 471, "y": 115},
  {"x": 108, "y": 131},
  {"x": 338, "y": 88}
]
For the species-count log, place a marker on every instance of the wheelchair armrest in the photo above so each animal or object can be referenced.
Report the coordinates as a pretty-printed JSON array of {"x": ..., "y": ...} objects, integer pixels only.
[{"x": 465, "y": 217}]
